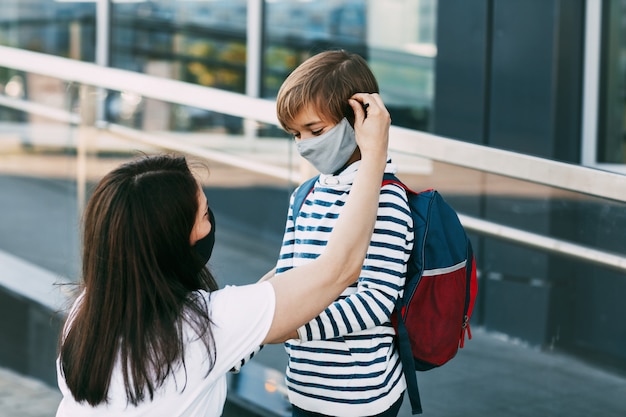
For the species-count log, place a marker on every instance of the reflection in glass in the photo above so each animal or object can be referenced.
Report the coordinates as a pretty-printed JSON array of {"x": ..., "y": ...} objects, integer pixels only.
[
  {"x": 60, "y": 28},
  {"x": 397, "y": 39},
  {"x": 204, "y": 42}
]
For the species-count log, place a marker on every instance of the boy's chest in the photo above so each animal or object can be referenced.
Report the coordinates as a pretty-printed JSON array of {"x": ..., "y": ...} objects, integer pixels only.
[{"x": 317, "y": 218}]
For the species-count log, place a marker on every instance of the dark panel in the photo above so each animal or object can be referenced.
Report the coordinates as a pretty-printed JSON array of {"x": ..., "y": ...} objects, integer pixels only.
[
  {"x": 44, "y": 328},
  {"x": 14, "y": 331},
  {"x": 517, "y": 307},
  {"x": 588, "y": 308},
  {"x": 523, "y": 76},
  {"x": 28, "y": 342},
  {"x": 462, "y": 51},
  {"x": 569, "y": 67},
  {"x": 536, "y": 77},
  {"x": 597, "y": 311}
]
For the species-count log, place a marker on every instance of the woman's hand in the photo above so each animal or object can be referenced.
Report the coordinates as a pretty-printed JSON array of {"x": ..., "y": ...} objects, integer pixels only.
[{"x": 371, "y": 123}]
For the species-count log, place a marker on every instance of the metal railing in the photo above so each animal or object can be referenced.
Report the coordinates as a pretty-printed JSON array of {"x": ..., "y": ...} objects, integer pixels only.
[{"x": 563, "y": 176}]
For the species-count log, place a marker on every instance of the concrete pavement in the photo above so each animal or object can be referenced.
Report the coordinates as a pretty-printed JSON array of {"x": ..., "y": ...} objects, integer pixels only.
[{"x": 26, "y": 397}]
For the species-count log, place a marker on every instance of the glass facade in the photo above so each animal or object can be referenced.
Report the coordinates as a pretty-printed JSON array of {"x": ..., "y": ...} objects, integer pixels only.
[
  {"x": 199, "y": 42},
  {"x": 47, "y": 164},
  {"x": 204, "y": 42},
  {"x": 53, "y": 27}
]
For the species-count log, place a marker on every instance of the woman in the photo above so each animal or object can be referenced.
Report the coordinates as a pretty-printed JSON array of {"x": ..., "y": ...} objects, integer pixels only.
[{"x": 150, "y": 333}]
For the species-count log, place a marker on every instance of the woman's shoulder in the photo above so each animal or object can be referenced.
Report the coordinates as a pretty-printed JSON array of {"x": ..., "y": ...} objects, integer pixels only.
[
  {"x": 260, "y": 295},
  {"x": 241, "y": 317}
]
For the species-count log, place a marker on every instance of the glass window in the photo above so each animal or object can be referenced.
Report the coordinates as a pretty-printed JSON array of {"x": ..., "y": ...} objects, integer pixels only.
[
  {"x": 402, "y": 59},
  {"x": 204, "y": 42},
  {"x": 201, "y": 42},
  {"x": 61, "y": 28}
]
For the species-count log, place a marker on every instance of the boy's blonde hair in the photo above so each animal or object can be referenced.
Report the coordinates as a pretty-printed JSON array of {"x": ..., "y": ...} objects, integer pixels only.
[{"x": 325, "y": 82}]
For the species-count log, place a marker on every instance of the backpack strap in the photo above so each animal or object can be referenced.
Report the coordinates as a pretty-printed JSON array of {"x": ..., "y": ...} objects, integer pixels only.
[
  {"x": 470, "y": 294},
  {"x": 408, "y": 364},
  {"x": 301, "y": 194},
  {"x": 389, "y": 178},
  {"x": 392, "y": 179},
  {"x": 404, "y": 345}
]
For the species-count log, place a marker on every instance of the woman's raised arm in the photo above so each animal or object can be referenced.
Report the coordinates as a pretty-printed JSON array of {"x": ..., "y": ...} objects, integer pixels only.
[{"x": 303, "y": 292}]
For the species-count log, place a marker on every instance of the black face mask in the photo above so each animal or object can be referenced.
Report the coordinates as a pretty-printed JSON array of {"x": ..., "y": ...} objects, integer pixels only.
[{"x": 204, "y": 246}]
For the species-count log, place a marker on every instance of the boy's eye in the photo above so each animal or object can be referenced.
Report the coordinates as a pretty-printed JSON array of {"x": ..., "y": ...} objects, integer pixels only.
[{"x": 317, "y": 132}]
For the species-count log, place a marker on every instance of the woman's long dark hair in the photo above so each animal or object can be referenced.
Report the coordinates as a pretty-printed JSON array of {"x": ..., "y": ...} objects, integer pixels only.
[{"x": 140, "y": 274}]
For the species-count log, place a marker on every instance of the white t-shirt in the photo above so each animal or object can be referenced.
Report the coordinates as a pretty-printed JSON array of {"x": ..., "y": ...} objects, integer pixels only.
[{"x": 241, "y": 318}]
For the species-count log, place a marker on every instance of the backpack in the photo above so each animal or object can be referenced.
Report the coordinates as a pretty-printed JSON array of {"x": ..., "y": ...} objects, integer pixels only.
[{"x": 432, "y": 317}]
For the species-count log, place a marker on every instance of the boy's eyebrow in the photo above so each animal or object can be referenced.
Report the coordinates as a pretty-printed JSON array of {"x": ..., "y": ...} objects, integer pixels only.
[
  {"x": 290, "y": 128},
  {"x": 313, "y": 123}
]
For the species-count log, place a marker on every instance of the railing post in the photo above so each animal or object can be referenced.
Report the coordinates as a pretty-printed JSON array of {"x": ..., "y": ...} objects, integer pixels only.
[
  {"x": 254, "y": 60},
  {"x": 103, "y": 38},
  {"x": 86, "y": 136}
]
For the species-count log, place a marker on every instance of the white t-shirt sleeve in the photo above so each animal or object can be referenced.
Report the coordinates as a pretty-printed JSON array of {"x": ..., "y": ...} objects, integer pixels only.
[{"x": 241, "y": 318}]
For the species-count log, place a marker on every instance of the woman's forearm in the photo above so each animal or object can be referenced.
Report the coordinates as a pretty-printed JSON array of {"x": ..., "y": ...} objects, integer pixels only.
[{"x": 352, "y": 233}]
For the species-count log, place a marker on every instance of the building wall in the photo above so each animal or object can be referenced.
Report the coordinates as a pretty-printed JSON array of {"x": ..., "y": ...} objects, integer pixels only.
[{"x": 509, "y": 75}]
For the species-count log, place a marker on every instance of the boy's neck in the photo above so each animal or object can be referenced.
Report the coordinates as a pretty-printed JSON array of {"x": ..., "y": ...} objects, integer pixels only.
[{"x": 356, "y": 156}]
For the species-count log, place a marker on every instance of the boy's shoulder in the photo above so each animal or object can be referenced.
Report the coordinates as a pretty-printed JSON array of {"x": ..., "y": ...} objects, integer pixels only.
[{"x": 394, "y": 185}]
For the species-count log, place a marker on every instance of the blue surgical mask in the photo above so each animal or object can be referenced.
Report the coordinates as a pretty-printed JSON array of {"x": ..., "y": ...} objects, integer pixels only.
[{"x": 330, "y": 151}]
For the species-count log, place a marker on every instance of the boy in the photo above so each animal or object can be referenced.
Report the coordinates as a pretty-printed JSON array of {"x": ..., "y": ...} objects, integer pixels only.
[{"x": 344, "y": 362}]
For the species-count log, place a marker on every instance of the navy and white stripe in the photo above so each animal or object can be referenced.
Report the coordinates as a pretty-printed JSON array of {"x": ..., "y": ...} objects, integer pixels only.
[{"x": 345, "y": 363}]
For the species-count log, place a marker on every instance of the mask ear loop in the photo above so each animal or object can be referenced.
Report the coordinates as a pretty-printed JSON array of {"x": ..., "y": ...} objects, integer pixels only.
[{"x": 204, "y": 246}]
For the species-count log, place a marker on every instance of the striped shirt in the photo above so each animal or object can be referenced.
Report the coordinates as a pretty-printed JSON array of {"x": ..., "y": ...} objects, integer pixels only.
[{"x": 345, "y": 362}]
